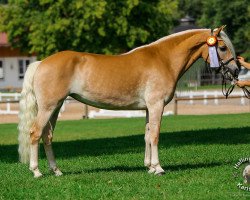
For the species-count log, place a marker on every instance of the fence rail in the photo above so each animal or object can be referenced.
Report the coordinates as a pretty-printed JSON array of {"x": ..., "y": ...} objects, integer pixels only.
[
  {"x": 177, "y": 99},
  {"x": 190, "y": 97},
  {"x": 4, "y": 96}
]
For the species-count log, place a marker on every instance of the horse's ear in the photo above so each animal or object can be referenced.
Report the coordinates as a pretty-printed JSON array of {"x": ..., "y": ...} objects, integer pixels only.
[{"x": 218, "y": 30}]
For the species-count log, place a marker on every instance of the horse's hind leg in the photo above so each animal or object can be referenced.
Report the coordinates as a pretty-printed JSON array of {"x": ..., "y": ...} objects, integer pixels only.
[
  {"x": 47, "y": 142},
  {"x": 36, "y": 131}
]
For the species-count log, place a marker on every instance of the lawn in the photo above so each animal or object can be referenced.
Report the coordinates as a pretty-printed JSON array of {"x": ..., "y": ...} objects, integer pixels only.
[{"x": 103, "y": 159}]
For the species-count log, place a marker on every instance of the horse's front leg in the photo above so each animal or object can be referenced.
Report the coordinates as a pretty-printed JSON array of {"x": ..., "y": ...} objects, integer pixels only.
[{"x": 155, "y": 114}]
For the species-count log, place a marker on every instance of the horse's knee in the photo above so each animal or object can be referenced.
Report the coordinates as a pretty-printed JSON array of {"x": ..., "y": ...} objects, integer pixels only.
[{"x": 154, "y": 133}]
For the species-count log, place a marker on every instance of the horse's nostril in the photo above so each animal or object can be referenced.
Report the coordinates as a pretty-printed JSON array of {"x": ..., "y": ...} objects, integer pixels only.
[{"x": 235, "y": 72}]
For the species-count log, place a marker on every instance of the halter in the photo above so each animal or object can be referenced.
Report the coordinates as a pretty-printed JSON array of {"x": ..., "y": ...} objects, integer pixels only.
[{"x": 217, "y": 63}]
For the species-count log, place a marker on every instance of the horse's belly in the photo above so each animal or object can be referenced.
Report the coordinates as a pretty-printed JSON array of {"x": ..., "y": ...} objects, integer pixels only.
[{"x": 111, "y": 102}]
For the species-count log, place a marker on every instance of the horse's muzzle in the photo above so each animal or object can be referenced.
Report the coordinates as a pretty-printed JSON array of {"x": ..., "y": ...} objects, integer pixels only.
[
  {"x": 230, "y": 72},
  {"x": 235, "y": 72}
]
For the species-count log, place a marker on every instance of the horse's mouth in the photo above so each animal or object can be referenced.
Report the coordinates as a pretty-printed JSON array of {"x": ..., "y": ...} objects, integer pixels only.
[{"x": 229, "y": 76}]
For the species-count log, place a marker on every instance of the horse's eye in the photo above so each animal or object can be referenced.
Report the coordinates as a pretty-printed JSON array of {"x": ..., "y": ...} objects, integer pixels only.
[{"x": 223, "y": 48}]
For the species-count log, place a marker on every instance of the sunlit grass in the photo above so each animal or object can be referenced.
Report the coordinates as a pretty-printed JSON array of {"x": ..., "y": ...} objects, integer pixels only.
[{"x": 103, "y": 159}]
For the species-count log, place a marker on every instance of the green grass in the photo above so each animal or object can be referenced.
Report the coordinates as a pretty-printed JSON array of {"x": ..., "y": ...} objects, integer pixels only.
[{"x": 103, "y": 159}]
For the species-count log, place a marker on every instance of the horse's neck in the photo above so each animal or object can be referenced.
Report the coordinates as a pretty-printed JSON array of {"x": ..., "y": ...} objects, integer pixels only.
[{"x": 183, "y": 49}]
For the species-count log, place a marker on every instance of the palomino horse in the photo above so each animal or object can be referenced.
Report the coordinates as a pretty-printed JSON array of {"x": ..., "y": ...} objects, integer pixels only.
[{"x": 142, "y": 79}]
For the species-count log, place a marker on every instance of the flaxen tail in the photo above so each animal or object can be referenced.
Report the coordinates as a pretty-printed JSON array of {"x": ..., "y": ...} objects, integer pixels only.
[{"x": 27, "y": 113}]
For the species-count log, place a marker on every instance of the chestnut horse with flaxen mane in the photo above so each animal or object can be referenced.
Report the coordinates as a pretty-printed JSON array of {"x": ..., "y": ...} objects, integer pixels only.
[{"x": 142, "y": 79}]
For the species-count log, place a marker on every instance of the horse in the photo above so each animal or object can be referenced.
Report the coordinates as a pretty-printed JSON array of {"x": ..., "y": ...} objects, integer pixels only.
[{"x": 144, "y": 78}]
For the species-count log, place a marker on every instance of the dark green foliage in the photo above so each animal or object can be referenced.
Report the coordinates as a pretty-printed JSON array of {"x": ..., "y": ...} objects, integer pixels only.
[
  {"x": 102, "y": 26},
  {"x": 3, "y": 1},
  {"x": 215, "y": 13}
]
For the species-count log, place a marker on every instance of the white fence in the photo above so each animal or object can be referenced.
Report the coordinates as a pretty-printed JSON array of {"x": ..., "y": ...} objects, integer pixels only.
[
  {"x": 121, "y": 113},
  {"x": 205, "y": 94},
  {"x": 7, "y": 99},
  {"x": 10, "y": 96}
]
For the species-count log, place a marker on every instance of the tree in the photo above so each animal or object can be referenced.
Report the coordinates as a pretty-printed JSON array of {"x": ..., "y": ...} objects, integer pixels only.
[
  {"x": 234, "y": 14},
  {"x": 214, "y": 13},
  {"x": 192, "y": 8},
  {"x": 101, "y": 26},
  {"x": 3, "y": 1}
]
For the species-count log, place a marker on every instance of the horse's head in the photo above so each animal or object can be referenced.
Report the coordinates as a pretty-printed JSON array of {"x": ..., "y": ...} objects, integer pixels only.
[{"x": 222, "y": 55}]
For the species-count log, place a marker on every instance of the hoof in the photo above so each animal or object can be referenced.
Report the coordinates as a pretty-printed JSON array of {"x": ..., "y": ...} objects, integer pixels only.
[
  {"x": 151, "y": 170},
  {"x": 37, "y": 173},
  {"x": 161, "y": 173},
  {"x": 158, "y": 170},
  {"x": 57, "y": 172}
]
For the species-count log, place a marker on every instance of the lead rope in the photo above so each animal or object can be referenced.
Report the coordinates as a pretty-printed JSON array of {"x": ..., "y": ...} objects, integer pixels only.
[
  {"x": 246, "y": 92},
  {"x": 227, "y": 91}
]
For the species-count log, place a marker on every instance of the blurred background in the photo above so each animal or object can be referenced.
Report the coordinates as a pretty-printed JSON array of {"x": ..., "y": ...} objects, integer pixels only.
[{"x": 34, "y": 29}]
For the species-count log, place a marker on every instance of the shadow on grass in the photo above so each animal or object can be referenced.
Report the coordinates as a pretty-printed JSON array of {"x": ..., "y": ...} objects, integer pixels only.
[
  {"x": 167, "y": 167},
  {"x": 144, "y": 169},
  {"x": 135, "y": 144}
]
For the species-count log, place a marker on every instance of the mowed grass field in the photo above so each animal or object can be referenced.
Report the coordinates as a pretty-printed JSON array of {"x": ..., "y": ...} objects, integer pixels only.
[{"x": 103, "y": 159}]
